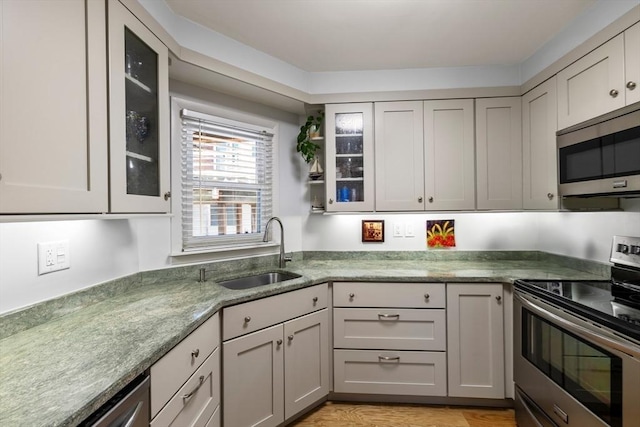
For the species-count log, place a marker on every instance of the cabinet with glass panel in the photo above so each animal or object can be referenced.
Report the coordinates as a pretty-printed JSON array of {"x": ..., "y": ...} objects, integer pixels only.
[
  {"x": 139, "y": 115},
  {"x": 349, "y": 154}
]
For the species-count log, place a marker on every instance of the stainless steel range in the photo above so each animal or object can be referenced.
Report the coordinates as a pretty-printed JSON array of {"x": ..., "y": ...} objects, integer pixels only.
[{"x": 577, "y": 347}]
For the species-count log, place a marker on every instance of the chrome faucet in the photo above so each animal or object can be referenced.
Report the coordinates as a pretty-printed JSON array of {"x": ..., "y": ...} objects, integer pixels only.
[{"x": 282, "y": 261}]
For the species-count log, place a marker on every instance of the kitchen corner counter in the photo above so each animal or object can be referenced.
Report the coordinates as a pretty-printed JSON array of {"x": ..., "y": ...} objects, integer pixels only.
[{"x": 60, "y": 371}]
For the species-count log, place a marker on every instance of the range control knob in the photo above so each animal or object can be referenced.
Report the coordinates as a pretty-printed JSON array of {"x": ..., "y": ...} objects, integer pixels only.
[
  {"x": 634, "y": 250},
  {"x": 622, "y": 248}
]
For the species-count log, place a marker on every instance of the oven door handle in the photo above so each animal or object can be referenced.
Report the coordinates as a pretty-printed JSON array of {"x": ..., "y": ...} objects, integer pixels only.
[{"x": 582, "y": 331}]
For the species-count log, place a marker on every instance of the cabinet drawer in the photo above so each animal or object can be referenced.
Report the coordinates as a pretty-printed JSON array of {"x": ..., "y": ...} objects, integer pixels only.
[
  {"x": 397, "y": 329},
  {"x": 170, "y": 372},
  {"x": 255, "y": 315},
  {"x": 198, "y": 399},
  {"x": 410, "y": 295},
  {"x": 415, "y": 373}
]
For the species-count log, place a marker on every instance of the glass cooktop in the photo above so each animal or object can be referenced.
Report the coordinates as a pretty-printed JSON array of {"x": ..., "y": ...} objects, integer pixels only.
[{"x": 599, "y": 301}]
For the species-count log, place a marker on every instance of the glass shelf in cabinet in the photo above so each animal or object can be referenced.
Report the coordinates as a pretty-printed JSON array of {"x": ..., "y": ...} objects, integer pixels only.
[{"x": 137, "y": 83}]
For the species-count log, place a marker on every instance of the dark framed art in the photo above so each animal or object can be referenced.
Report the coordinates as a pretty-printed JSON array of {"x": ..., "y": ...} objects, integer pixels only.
[{"x": 372, "y": 230}]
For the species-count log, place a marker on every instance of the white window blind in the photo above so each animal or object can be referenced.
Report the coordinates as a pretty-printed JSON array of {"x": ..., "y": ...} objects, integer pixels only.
[{"x": 226, "y": 181}]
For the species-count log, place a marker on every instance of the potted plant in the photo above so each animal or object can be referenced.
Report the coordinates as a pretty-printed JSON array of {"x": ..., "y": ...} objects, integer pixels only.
[{"x": 308, "y": 132}]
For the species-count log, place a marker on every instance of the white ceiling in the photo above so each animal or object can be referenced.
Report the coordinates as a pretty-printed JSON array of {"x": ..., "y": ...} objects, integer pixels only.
[{"x": 353, "y": 35}]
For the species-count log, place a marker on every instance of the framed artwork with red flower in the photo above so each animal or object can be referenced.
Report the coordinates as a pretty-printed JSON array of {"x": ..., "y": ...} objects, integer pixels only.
[{"x": 441, "y": 234}]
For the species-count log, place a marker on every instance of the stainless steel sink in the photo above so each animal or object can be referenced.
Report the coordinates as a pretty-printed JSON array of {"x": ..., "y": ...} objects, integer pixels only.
[{"x": 257, "y": 280}]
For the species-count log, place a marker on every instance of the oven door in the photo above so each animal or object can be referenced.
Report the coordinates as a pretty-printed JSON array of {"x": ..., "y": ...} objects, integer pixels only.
[{"x": 578, "y": 374}]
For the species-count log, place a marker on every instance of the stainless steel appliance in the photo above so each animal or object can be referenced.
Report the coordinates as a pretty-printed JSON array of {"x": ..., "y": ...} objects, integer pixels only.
[
  {"x": 128, "y": 408},
  {"x": 601, "y": 157},
  {"x": 577, "y": 347}
]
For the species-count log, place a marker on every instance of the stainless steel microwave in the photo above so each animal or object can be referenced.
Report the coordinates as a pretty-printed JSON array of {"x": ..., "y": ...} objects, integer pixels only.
[{"x": 601, "y": 157}]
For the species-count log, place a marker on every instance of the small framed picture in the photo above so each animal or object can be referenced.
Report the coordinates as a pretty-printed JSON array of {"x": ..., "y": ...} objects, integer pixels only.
[{"x": 372, "y": 230}]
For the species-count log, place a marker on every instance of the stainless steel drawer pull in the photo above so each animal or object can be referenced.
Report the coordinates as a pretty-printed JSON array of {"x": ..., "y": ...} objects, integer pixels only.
[
  {"x": 352, "y": 295},
  {"x": 613, "y": 93},
  {"x": 498, "y": 298},
  {"x": 427, "y": 296},
  {"x": 315, "y": 300},
  {"x": 279, "y": 342},
  {"x": 388, "y": 358},
  {"x": 388, "y": 316},
  {"x": 191, "y": 393},
  {"x": 631, "y": 85},
  {"x": 290, "y": 337},
  {"x": 247, "y": 319},
  {"x": 195, "y": 353}
]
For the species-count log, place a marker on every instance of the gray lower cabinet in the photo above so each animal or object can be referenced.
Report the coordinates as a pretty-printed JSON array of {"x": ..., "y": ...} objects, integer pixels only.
[
  {"x": 475, "y": 349},
  {"x": 185, "y": 383},
  {"x": 390, "y": 338},
  {"x": 274, "y": 373}
]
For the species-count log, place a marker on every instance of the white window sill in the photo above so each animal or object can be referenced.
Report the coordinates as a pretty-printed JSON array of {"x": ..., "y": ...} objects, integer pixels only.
[{"x": 224, "y": 253}]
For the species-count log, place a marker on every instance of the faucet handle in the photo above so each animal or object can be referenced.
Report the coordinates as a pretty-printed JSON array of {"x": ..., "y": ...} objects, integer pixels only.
[{"x": 288, "y": 257}]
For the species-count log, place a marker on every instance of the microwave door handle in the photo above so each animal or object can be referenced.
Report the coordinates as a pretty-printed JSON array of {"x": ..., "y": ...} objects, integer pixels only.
[{"x": 585, "y": 333}]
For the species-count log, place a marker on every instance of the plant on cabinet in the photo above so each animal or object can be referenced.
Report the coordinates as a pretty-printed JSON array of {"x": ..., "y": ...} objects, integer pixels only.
[{"x": 308, "y": 132}]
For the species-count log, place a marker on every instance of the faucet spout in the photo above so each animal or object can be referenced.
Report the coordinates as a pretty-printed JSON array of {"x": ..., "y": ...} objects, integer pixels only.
[{"x": 282, "y": 260}]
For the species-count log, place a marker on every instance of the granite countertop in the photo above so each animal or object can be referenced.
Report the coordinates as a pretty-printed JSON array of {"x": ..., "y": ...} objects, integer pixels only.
[{"x": 58, "y": 372}]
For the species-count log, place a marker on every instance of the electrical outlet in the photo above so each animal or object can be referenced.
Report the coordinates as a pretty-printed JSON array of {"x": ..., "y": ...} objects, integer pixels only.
[
  {"x": 409, "y": 230},
  {"x": 398, "y": 230},
  {"x": 53, "y": 256}
]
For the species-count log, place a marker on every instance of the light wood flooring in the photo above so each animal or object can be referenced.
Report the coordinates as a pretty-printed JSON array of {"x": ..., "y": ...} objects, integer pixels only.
[{"x": 336, "y": 414}]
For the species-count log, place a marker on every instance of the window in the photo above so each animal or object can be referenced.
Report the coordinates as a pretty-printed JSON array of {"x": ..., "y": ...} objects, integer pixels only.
[{"x": 226, "y": 181}]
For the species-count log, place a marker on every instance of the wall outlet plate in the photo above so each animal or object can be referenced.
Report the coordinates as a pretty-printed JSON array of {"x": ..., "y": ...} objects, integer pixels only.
[
  {"x": 53, "y": 256},
  {"x": 398, "y": 229},
  {"x": 410, "y": 230}
]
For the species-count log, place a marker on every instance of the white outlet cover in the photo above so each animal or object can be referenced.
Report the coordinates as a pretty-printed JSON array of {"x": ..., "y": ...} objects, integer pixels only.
[
  {"x": 53, "y": 256},
  {"x": 409, "y": 230},
  {"x": 398, "y": 229}
]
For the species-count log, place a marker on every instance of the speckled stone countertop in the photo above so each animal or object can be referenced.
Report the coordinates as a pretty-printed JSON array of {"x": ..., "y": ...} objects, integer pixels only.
[{"x": 57, "y": 372}]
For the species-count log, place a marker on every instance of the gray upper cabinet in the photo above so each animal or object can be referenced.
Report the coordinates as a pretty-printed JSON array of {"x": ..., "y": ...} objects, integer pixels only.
[
  {"x": 539, "y": 152},
  {"x": 499, "y": 153},
  {"x": 139, "y": 115},
  {"x": 399, "y": 156},
  {"x": 53, "y": 120}
]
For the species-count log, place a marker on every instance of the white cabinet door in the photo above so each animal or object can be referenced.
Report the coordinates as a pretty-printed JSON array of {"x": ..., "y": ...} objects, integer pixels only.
[
  {"x": 449, "y": 141},
  {"x": 399, "y": 156},
  {"x": 138, "y": 115},
  {"x": 539, "y": 152},
  {"x": 632, "y": 64},
  {"x": 475, "y": 351},
  {"x": 499, "y": 153},
  {"x": 253, "y": 379},
  {"x": 593, "y": 85},
  {"x": 349, "y": 157},
  {"x": 53, "y": 107},
  {"x": 306, "y": 361}
]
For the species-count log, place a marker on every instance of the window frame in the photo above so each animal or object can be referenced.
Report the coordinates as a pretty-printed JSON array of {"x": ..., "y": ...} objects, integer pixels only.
[{"x": 225, "y": 115}]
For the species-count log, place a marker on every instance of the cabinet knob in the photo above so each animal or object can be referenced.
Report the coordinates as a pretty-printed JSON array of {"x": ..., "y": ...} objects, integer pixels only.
[
  {"x": 167, "y": 195},
  {"x": 631, "y": 85},
  {"x": 419, "y": 199},
  {"x": 550, "y": 196},
  {"x": 613, "y": 93},
  {"x": 352, "y": 295},
  {"x": 290, "y": 337},
  {"x": 330, "y": 201},
  {"x": 498, "y": 298},
  {"x": 279, "y": 342},
  {"x": 427, "y": 296},
  {"x": 430, "y": 199},
  {"x": 315, "y": 300},
  {"x": 195, "y": 353},
  {"x": 247, "y": 319}
]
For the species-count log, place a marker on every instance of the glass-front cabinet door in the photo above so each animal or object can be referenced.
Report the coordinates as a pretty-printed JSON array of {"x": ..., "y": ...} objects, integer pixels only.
[
  {"x": 349, "y": 153},
  {"x": 139, "y": 115}
]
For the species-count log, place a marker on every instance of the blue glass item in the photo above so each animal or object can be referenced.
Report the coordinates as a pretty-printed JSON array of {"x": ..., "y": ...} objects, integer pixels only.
[{"x": 344, "y": 194}]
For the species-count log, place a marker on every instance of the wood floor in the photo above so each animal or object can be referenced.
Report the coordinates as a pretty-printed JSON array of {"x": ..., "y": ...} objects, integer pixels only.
[{"x": 386, "y": 415}]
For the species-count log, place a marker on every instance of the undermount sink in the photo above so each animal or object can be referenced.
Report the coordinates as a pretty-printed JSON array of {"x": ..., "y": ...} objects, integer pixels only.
[{"x": 257, "y": 280}]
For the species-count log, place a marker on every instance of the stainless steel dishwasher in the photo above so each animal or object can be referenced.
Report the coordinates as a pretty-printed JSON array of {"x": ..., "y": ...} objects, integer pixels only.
[{"x": 128, "y": 408}]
